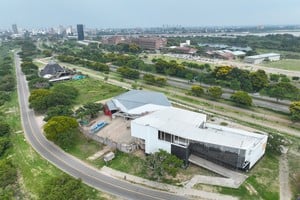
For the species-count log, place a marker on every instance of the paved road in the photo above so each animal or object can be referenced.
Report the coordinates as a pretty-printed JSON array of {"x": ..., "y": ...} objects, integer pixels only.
[
  {"x": 260, "y": 101},
  {"x": 72, "y": 165}
]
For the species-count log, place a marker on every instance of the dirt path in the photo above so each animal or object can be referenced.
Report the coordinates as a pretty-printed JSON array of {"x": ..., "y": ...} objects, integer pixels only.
[{"x": 285, "y": 191}]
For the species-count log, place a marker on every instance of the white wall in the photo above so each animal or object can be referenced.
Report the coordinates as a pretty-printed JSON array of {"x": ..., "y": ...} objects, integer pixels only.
[
  {"x": 150, "y": 135},
  {"x": 255, "y": 153}
]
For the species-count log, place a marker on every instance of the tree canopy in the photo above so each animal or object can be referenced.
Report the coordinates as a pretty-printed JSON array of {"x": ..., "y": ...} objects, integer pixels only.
[
  {"x": 162, "y": 163},
  {"x": 214, "y": 92},
  {"x": 197, "y": 90},
  {"x": 241, "y": 98},
  {"x": 61, "y": 130},
  {"x": 89, "y": 110},
  {"x": 64, "y": 187},
  {"x": 295, "y": 111}
]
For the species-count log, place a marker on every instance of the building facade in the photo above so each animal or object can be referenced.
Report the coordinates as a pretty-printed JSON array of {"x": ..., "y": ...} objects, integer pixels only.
[
  {"x": 80, "y": 32},
  {"x": 152, "y": 43}
]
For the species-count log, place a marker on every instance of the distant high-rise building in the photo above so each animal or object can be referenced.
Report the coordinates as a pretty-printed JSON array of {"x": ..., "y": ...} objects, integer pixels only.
[
  {"x": 69, "y": 30},
  {"x": 80, "y": 32},
  {"x": 15, "y": 29}
]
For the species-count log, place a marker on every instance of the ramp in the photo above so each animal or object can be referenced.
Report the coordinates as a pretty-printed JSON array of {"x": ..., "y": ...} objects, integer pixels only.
[{"x": 237, "y": 177}]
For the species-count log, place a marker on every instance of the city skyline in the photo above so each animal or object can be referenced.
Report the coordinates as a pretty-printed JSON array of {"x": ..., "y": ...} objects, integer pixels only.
[{"x": 150, "y": 13}]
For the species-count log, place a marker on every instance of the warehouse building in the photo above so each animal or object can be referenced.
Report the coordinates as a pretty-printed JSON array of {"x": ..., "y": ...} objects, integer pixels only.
[
  {"x": 257, "y": 59},
  {"x": 135, "y": 103},
  {"x": 183, "y": 133}
]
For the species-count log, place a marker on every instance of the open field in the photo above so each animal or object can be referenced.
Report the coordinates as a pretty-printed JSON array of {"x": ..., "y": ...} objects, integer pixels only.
[
  {"x": 287, "y": 64},
  {"x": 91, "y": 90}
]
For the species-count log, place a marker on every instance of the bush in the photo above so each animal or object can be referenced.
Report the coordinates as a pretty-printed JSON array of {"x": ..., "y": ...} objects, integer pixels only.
[{"x": 241, "y": 98}]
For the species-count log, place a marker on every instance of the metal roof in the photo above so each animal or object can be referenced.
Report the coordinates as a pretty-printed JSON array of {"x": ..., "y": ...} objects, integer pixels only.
[
  {"x": 137, "y": 98},
  {"x": 267, "y": 55},
  {"x": 192, "y": 126},
  {"x": 51, "y": 68}
]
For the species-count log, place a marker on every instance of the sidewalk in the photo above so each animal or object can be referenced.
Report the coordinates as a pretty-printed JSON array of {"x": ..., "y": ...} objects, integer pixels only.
[{"x": 183, "y": 191}]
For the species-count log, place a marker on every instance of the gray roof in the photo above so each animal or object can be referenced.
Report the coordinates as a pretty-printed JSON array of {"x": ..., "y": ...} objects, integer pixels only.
[
  {"x": 136, "y": 98},
  {"x": 51, "y": 68}
]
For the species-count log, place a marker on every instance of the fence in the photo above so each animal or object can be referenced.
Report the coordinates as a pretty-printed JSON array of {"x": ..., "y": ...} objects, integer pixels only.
[{"x": 127, "y": 148}]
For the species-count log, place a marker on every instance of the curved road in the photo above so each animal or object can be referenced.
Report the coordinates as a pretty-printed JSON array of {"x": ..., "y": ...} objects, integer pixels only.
[{"x": 72, "y": 165}]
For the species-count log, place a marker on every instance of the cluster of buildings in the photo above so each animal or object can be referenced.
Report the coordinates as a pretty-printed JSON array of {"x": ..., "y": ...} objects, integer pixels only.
[
  {"x": 155, "y": 125},
  {"x": 226, "y": 54},
  {"x": 149, "y": 43}
]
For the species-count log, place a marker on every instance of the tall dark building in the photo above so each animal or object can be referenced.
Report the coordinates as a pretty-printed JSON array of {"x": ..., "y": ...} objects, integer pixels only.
[
  {"x": 15, "y": 29},
  {"x": 80, "y": 32}
]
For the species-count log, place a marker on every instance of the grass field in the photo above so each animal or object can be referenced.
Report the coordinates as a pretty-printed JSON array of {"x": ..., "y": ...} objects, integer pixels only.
[
  {"x": 287, "y": 64},
  {"x": 84, "y": 147},
  {"x": 91, "y": 90}
]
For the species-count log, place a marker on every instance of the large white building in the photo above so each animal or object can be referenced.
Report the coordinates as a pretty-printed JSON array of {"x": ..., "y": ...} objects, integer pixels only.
[
  {"x": 262, "y": 57},
  {"x": 183, "y": 133}
]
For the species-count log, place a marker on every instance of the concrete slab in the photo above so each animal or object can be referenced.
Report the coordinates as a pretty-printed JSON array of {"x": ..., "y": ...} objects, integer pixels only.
[{"x": 235, "y": 179}]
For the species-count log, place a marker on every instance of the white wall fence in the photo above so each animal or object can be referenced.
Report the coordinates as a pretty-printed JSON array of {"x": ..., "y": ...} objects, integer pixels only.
[{"x": 127, "y": 148}]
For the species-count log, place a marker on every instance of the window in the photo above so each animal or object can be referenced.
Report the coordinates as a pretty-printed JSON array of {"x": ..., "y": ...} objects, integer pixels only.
[{"x": 165, "y": 136}]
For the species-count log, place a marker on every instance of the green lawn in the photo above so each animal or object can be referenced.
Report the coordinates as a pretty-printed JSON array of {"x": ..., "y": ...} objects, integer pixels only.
[
  {"x": 263, "y": 182},
  {"x": 91, "y": 90},
  {"x": 287, "y": 64},
  {"x": 84, "y": 147}
]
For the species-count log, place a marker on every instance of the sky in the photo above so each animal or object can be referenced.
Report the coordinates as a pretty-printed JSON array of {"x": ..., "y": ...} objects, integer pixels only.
[{"x": 147, "y": 13}]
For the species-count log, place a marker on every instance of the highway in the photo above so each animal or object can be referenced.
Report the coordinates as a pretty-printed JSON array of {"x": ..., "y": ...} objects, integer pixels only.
[
  {"x": 258, "y": 100},
  {"x": 71, "y": 165}
]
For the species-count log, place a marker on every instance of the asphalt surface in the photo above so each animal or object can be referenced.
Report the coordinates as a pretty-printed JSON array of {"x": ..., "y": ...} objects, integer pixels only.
[{"x": 71, "y": 165}]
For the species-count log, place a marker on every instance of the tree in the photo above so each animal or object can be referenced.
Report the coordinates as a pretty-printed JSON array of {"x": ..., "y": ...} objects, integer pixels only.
[
  {"x": 39, "y": 83},
  {"x": 4, "y": 145},
  {"x": 59, "y": 110},
  {"x": 161, "y": 164},
  {"x": 38, "y": 99},
  {"x": 128, "y": 73},
  {"x": 241, "y": 98},
  {"x": 222, "y": 72},
  {"x": 274, "y": 144},
  {"x": 61, "y": 130},
  {"x": 274, "y": 77},
  {"x": 4, "y": 128},
  {"x": 89, "y": 109},
  {"x": 283, "y": 90},
  {"x": 235, "y": 84},
  {"x": 215, "y": 92},
  {"x": 295, "y": 111},
  {"x": 63, "y": 187},
  {"x": 197, "y": 90},
  {"x": 259, "y": 80},
  {"x": 8, "y": 173},
  {"x": 68, "y": 90}
]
